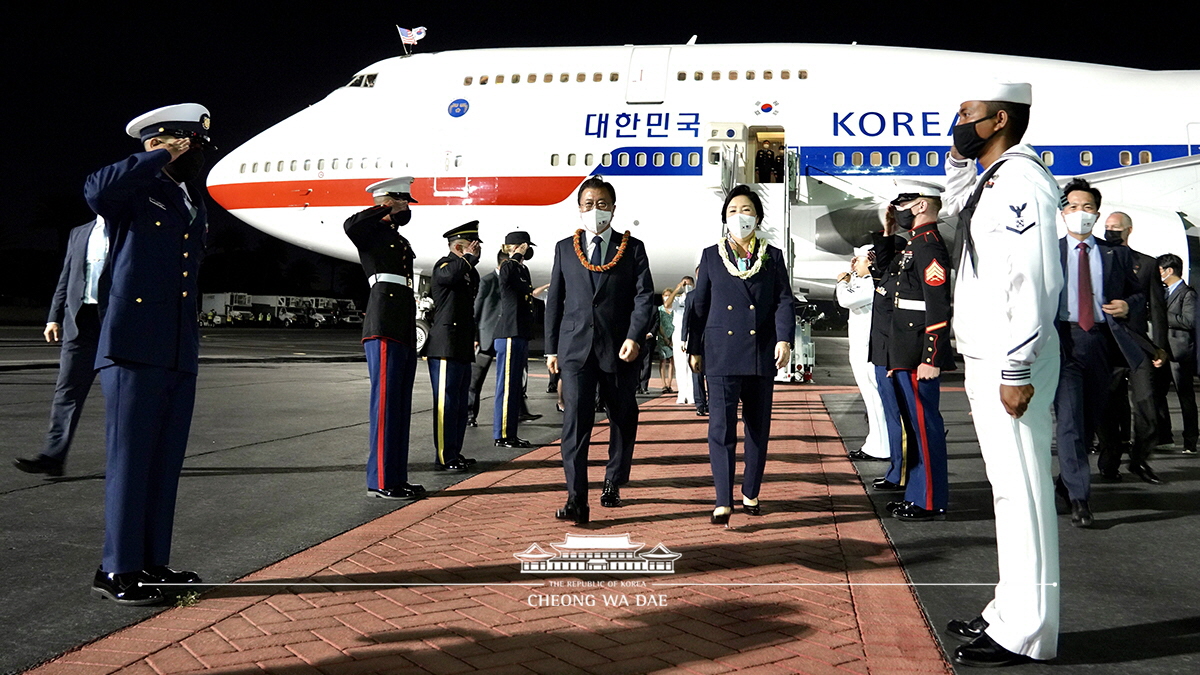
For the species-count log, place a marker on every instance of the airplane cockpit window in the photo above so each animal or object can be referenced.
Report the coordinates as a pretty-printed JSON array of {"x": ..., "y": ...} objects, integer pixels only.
[
  {"x": 1047, "y": 158},
  {"x": 1126, "y": 158},
  {"x": 1144, "y": 157},
  {"x": 369, "y": 80},
  {"x": 357, "y": 81},
  {"x": 1085, "y": 158}
]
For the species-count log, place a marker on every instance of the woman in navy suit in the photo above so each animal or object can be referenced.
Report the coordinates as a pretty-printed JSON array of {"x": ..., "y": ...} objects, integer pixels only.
[{"x": 742, "y": 324}]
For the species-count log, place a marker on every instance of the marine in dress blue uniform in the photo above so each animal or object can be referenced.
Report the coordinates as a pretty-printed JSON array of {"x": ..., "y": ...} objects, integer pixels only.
[
  {"x": 451, "y": 346},
  {"x": 389, "y": 334},
  {"x": 742, "y": 323},
  {"x": 918, "y": 347},
  {"x": 148, "y": 349},
  {"x": 514, "y": 329},
  {"x": 902, "y": 444},
  {"x": 75, "y": 319}
]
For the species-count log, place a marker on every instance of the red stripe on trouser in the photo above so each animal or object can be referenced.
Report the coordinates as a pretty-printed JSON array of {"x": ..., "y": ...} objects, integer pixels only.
[
  {"x": 924, "y": 445},
  {"x": 381, "y": 417}
]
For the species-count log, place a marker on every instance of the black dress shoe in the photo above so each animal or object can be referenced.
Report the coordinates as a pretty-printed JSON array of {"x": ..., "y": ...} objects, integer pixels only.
[
  {"x": 456, "y": 464},
  {"x": 401, "y": 492},
  {"x": 161, "y": 574},
  {"x": 1081, "y": 515},
  {"x": 720, "y": 519},
  {"x": 860, "y": 456},
  {"x": 892, "y": 507},
  {"x": 40, "y": 464},
  {"x": 983, "y": 652},
  {"x": 1144, "y": 472},
  {"x": 885, "y": 485},
  {"x": 701, "y": 412},
  {"x": 471, "y": 422},
  {"x": 752, "y": 509},
  {"x": 611, "y": 497},
  {"x": 966, "y": 630},
  {"x": 529, "y": 417},
  {"x": 573, "y": 511},
  {"x": 123, "y": 589},
  {"x": 513, "y": 442},
  {"x": 559, "y": 408},
  {"x": 912, "y": 512}
]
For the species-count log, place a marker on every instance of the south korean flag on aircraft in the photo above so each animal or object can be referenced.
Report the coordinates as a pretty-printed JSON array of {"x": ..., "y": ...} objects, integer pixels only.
[{"x": 410, "y": 37}]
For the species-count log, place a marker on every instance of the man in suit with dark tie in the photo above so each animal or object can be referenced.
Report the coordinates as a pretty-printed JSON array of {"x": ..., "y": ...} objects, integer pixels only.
[
  {"x": 1099, "y": 289},
  {"x": 599, "y": 306},
  {"x": 1181, "y": 336},
  {"x": 1133, "y": 387},
  {"x": 73, "y": 319}
]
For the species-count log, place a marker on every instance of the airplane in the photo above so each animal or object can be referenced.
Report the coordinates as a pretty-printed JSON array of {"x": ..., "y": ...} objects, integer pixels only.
[{"x": 506, "y": 136}]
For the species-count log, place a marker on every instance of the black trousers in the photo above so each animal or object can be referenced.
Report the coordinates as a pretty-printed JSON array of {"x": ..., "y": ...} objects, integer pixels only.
[
  {"x": 1131, "y": 389},
  {"x": 618, "y": 393},
  {"x": 1183, "y": 372},
  {"x": 699, "y": 390}
]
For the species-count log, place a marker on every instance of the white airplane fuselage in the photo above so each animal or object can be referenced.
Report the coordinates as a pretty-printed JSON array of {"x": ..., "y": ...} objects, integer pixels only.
[{"x": 506, "y": 136}]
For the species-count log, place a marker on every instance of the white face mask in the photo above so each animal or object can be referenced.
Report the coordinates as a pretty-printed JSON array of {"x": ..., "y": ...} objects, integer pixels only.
[
  {"x": 595, "y": 221},
  {"x": 741, "y": 225},
  {"x": 1080, "y": 222}
]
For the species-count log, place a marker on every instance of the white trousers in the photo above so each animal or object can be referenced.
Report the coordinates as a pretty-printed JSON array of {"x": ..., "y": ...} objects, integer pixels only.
[
  {"x": 683, "y": 371},
  {"x": 1023, "y": 617},
  {"x": 876, "y": 443}
]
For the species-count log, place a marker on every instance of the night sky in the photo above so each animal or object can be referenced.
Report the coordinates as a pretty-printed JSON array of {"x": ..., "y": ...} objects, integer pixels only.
[{"x": 72, "y": 81}]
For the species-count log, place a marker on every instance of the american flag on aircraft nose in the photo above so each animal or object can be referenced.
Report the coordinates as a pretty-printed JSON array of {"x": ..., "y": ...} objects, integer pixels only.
[{"x": 410, "y": 37}]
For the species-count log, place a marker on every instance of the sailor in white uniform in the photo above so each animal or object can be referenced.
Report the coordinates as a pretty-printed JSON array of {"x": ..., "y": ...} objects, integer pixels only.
[
  {"x": 1005, "y": 298},
  {"x": 855, "y": 291}
]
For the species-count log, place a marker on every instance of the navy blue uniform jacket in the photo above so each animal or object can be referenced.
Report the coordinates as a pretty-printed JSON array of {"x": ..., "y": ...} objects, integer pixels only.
[
  {"x": 68, "y": 295},
  {"x": 516, "y": 300},
  {"x": 580, "y": 319},
  {"x": 391, "y": 307},
  {"x": 735, "y": 323},
  {"x": 148, "y": 299},
  {"x": 452, "y": 332}
]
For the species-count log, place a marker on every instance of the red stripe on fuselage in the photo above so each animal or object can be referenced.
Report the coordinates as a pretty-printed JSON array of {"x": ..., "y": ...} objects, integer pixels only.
[{"x": 451, "y": 191}]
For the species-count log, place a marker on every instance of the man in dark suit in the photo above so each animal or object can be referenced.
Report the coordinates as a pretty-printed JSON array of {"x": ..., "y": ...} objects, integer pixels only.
[
  {"x": 1181, "y": 335},
  {"x": 487, "y": 312},
  {"x": 1147, "y": 318},
  {"x": 148, "y": 349},
  {"x": 1099, "y": 289},
  {"x": 75, "y": 320},
  {"x": 599, "y": 307},
  {"x": 451, "y": 347}
]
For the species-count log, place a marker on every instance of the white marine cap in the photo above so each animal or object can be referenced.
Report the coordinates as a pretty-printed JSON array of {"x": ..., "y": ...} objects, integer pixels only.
[
  {"x": 395, "y": 186},
  {"x": 908, "y": 190},
  {"x": 190, "y": 118},
  {"x": 861, "y": 251},
  {"x": 1008, "y": 92}
]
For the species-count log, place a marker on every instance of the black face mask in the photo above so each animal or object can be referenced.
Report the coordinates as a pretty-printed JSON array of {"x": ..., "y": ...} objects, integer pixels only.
[
  {"x": 401, "y": 218},
  {"x": 186, "y": 167},
  {"x": 967, "y": 139},
  {"x": 1114, "y": 236},
  {"x": 904, "y": 218},
  {"x": 471, "y": 259}
]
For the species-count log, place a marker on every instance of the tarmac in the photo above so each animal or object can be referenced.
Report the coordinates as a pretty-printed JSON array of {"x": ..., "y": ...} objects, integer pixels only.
[{"x": 325, "y": 580}]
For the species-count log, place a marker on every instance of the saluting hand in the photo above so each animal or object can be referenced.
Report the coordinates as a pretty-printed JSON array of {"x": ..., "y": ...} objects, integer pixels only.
[{"x": 175, "y": 146}]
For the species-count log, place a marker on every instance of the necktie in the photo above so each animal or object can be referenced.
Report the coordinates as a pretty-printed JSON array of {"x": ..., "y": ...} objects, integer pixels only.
[
  {"x": 1087, "y": 316},
  {"x": 597, "y": 259}
]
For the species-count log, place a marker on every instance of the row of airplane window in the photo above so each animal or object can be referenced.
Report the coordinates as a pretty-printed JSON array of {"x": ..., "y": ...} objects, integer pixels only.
[
  {"x": 295, "y": 165},
  {"x": 623, "y": 159},
  {"x": 515, "y": 78},
  {"x": 749, "y": 74},
  {"x": 1125, "y": 157}
]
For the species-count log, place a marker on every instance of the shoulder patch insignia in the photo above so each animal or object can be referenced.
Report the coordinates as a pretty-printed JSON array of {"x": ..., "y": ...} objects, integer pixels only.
[{"x": 935, "y": 274}]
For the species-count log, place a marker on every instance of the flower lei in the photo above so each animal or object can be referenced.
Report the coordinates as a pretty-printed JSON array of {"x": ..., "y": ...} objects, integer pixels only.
[
  {"x": 732, "y": 268},
  {"x": 606, "y": 266}
]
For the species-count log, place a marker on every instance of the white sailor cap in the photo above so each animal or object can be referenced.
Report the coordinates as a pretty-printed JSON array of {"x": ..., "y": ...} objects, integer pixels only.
[
  {"x": 1008, "y": 92},
  {"x": 908, "y": 190},
  {"x": 400, "y": 187},
  {"x": 862, "y": 251},
  {"x": 184, "y": 120}
]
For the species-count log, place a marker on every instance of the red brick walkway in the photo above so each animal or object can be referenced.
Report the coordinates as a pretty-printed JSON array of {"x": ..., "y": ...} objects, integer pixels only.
[{"x": 743, "y": 608}]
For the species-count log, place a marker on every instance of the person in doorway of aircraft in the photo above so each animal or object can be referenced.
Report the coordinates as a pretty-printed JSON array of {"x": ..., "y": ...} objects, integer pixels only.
[
  {"x": 599, "y": 307},
  {"x": 741, "y": 322}
]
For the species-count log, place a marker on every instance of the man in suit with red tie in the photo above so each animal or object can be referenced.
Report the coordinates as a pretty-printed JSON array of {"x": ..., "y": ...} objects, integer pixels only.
[
  {"x": 598, "y": 310},
  {"x": 1099, "y": 289}
]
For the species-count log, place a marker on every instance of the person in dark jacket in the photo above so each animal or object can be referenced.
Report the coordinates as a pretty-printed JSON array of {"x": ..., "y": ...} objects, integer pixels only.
[
  {"x": 741, "y": 326},
  {"x": 514, "y": 329},
  {"x": 389, "y": 334},
  {"x": 451, "y": 346},
  {"x": 75, "y": 320},
  {"x": 1181, "y": 336}
]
